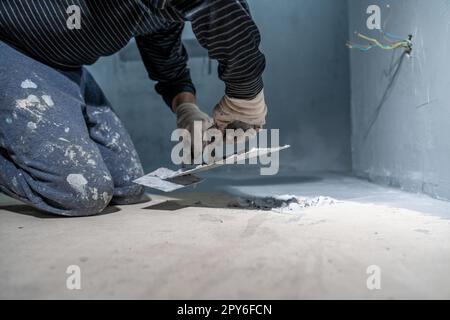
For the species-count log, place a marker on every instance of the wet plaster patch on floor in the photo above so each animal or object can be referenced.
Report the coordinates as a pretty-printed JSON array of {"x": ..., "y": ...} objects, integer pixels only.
[{"x": 282, "y": 204}]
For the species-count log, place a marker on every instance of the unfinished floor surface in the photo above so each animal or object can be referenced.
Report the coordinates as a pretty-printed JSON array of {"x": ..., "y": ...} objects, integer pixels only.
[{"x": 194, "y": 245}]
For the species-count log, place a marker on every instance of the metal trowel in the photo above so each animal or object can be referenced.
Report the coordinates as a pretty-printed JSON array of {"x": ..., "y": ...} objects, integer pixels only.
[{"x": 167, "y": 180}]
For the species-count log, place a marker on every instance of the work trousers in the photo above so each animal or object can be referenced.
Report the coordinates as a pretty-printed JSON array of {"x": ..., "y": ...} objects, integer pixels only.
[{"x": 63, "y": 150}]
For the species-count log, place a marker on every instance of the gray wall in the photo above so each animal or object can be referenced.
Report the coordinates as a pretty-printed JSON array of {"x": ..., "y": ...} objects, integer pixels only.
[
  {"x": 307, "y": 86},
  {"x": 400, "y": 108}
]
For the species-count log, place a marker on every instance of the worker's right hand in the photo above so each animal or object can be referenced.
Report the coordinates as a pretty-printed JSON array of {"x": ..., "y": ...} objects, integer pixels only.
[{"x": 187, "y": 114}]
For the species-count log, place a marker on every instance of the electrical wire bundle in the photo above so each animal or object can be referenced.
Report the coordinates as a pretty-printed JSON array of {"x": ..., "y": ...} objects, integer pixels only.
[{"x": 395, "y": 42}]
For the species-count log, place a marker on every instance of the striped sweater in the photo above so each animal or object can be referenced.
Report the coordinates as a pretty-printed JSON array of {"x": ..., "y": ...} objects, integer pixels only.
[{"x": 40, "y": 28}]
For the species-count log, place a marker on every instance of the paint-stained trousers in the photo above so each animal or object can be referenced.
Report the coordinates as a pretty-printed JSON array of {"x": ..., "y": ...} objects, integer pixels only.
[{"x": 63, "y": 150}]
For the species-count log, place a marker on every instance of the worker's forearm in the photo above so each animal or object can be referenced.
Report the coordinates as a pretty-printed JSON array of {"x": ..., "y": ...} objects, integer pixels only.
[
  {"x": 227, "y": 30},
  {"x": 183, "y": 97}
]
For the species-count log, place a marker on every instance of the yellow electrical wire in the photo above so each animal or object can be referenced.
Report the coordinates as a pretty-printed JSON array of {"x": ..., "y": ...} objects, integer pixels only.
[
  {"x": 376, "y": 43},
  {"x": 392, "y": 46}
]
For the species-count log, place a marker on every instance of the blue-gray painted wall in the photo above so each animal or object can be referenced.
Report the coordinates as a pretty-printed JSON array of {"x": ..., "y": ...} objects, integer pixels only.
[
  {"x": 307, "y": 86},
  {"x": 400, "y": 119},
  {"x": 401, "y": 108}
]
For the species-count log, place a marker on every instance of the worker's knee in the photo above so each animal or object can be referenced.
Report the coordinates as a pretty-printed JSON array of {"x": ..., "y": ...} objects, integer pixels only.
[{"x": 89, "y": 194}]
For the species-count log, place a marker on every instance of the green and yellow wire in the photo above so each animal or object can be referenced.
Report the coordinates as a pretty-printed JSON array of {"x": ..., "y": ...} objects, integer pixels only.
[{"x": 374, "y": 43}]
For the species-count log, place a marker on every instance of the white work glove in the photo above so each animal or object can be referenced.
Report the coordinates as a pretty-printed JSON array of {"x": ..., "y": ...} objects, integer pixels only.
[
  {"x": 187, "y": 114},
  {"x": 240, "y": 114}
]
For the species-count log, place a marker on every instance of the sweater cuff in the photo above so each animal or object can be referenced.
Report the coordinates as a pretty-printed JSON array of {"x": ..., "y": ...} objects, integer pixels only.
[{"x": 246, "y": 90}]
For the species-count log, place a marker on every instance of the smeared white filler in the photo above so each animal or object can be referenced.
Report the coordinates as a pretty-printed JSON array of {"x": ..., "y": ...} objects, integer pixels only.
[
  {"x": 48, "y": 100},
  {"x": 78, "y": 182},
  {"x": 28, "y": 84}
]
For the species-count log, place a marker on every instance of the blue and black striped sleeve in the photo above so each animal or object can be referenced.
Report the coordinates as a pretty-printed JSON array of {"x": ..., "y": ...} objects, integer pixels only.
[
  {"x": 226, "y": 29},
  {"x": 165, "y": 59}
]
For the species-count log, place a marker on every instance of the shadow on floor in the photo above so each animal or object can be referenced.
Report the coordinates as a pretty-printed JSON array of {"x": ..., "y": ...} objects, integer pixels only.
[
  {"x": 215, "y": 193},
  {"x": 261, "y": 181},
  {"x": 169, "y": 205},
  {"x": 30, "y": 211},
  {"x": 219, "y": 201}
]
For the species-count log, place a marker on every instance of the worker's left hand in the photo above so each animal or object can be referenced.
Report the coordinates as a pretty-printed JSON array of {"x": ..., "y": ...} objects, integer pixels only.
[
  {"x": 232, "y": 113},
  {"x": 250, "y": 112}
]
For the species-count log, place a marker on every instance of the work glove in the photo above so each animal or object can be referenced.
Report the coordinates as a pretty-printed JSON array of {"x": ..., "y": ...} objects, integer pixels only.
[
  {"x": 187, "y": 114},
  {"x": 231, "y": 113}
]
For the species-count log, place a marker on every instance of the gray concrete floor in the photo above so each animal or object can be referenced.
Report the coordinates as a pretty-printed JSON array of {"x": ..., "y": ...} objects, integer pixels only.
[{"x": 189, "y": 245}]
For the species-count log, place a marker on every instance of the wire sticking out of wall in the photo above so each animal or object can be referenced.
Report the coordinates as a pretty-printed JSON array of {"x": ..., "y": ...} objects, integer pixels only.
[{"x": 394, "y": 42}]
